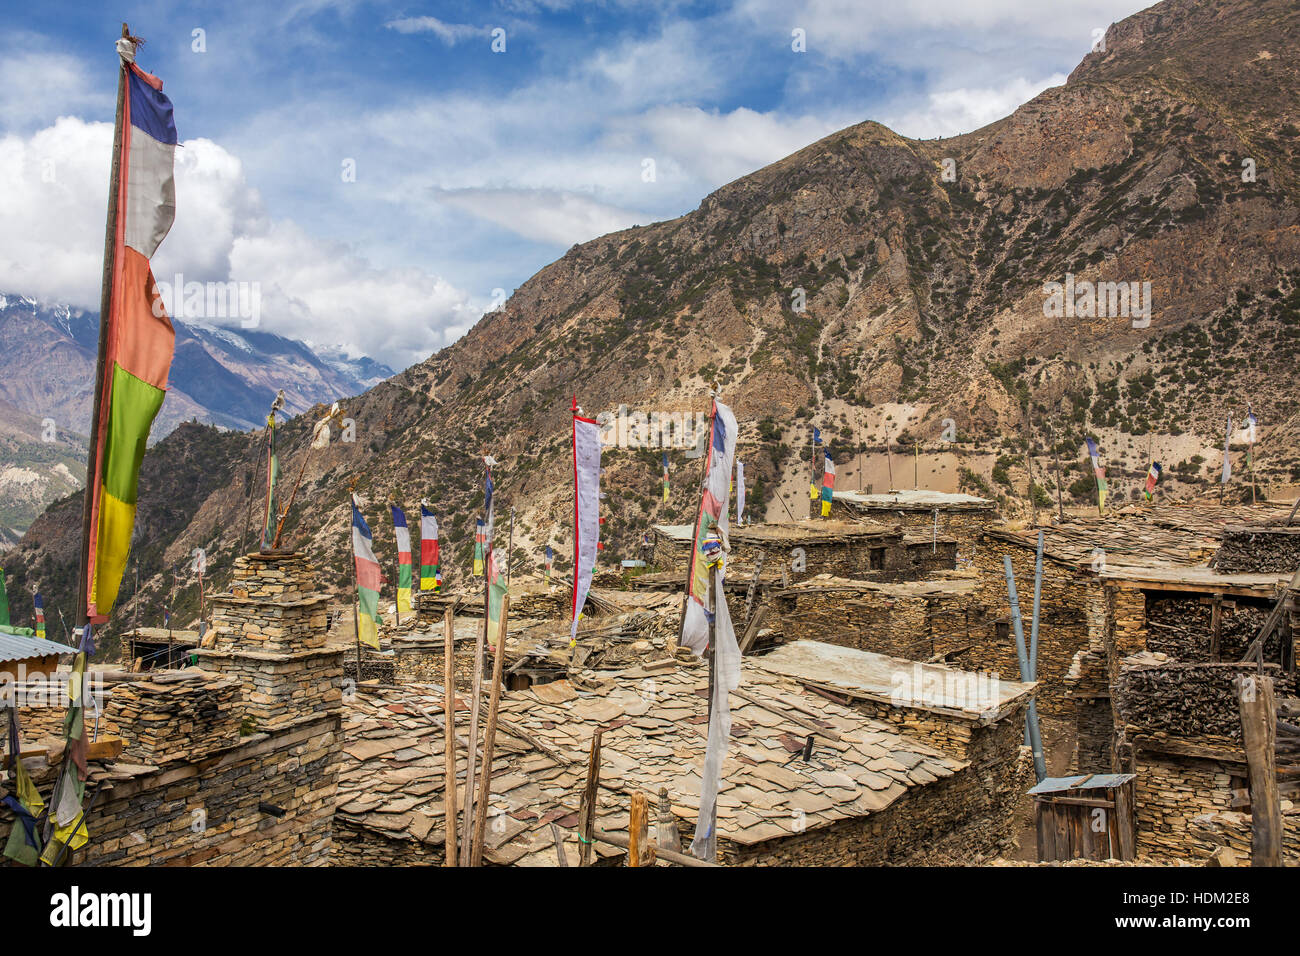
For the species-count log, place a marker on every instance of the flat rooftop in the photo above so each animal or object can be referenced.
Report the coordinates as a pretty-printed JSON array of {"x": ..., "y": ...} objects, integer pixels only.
[
  {"x": 894, "y": 680},
  {"x": 1169, "y": 535},
  {"x": 917, "y": 500}
]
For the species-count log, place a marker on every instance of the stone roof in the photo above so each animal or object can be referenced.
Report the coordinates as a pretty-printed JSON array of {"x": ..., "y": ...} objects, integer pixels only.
[
  {"x": 654, "y": 728},
  {"x": 1168, "y": 535},
  {"x": 895, "y": 681},
  {"x": 943, "y": 584},
  {"x": 916, "y": 500}
]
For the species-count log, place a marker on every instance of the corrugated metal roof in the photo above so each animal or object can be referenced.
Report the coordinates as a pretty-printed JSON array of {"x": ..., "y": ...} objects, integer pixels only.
[
  {"x": 1089, "y": 781},
  {"x": 17, "y": 647}
]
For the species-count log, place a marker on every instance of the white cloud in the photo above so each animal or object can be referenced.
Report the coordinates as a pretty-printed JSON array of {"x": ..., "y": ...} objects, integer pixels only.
[
  {"x": 325, "y": 292},
  {"x": 951, "y": 112},
  {"x": 719, "y": 147},
  {"x": 51, "y": 247},
  {"x": 843, "y": 29},
  {"x": 448, "y": 33},
  {"x": 548, "y": 215},
  {"x": 36, "y": 86}
]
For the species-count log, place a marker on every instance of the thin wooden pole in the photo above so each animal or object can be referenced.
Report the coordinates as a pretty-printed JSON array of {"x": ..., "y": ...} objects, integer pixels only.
[
  {"x": 105, "y": 305},
  {"x": 1259, "y": 738},
  {"x": 1029, "y": 463},
  {"x": 248, "y": 508},
  {"x": 449, "y": 734},
  {"x": 490, "y": 739},
  {"x": 466, "y": 832},
  {"x": 587, "y": 808},
  {"x": 859, "y": 422},
  {"x": 640, "y": 848}
]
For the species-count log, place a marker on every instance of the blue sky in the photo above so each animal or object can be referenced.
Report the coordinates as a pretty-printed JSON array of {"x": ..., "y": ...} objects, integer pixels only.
[{"x": 474, "y": 168}]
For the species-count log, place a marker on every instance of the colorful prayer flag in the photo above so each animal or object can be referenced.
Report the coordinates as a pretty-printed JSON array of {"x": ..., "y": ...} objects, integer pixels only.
[
  {"x": 479, "y": 539},
  {"x": 665, "y": 477},
  {"x": 817, "y": 435},
  {"x": 39, "y": 606},
  {"x": 368, "y": 579},
  {"x": 138, "y": 336},
  {"x": 1153, "y": 475},
  {"x": 711, "y": 518},
  {"x": 70, "y": 787},
  {"x": 430, "y": 569},
  {"x": 1099, "y": 471},
  {"x": 403, "y": 534},
  {"x": 497, "y": 587},
  {"x": 586, "y": 510},
  {"x": 4, "y": 599},
  {"x": 496, "y": 581},
  {"x": 828, "y": 485},
  {"x": 550, "y": 559},
  {"x": 24, "y": 845}
]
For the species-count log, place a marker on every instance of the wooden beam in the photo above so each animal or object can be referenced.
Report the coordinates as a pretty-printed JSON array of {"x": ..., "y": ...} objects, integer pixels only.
[
  {"x": 1259, "y": 735},
  {"x": 681, "y": 859},
  {"x": 587, "y": 809}
]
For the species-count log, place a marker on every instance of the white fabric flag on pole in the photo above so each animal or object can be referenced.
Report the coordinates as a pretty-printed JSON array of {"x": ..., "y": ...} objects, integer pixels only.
[
  {"x": 586, "y": 509},
  {"x": 726, "y": 678},
  {"x": 740, "y": 491}
]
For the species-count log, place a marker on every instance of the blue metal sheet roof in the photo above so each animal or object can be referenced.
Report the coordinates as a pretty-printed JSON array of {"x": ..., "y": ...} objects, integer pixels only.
[
  {"x": 1089, "y": 781},
  {"x": 18, "y": 647}
]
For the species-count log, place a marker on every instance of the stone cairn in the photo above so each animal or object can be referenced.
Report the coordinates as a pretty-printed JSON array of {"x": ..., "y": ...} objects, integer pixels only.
[
  {"x": 181, "y": 715},
  {"x": 269, "y": 631}
]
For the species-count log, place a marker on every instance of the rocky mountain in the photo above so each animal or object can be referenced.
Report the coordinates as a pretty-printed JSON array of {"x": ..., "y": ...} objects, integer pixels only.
[
  {"x": 225, "y": 377},
  {"x": 904, "y": 296}
]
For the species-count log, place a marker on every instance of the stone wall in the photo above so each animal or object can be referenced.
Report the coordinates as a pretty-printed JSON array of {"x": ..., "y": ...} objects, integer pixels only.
[
  {"x": 868, "y": 557},
  {"x": 193, "y": 791},
  {"x": 1171, "y": 792},
  {"x": 177, "y": 717},
  {"x": 193, "y": 814},
  {"x": 951, "y": 821},
  {"x": 269, "y": 631},
  {"x": 1088, "y": 689},
  {"x": 964, "y": 525},
  {"x": 1232, "y": 830},
  {"x": 1063, "y": 621},
  {"x": 916, "y": 627}
]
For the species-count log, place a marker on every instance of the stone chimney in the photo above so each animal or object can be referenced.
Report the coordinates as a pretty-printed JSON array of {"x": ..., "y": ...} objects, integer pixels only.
[{"x": 269, "y": 631}]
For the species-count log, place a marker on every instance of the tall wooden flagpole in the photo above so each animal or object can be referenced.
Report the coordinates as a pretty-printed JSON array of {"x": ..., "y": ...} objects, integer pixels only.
[{"x": 105, "y": 303}]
